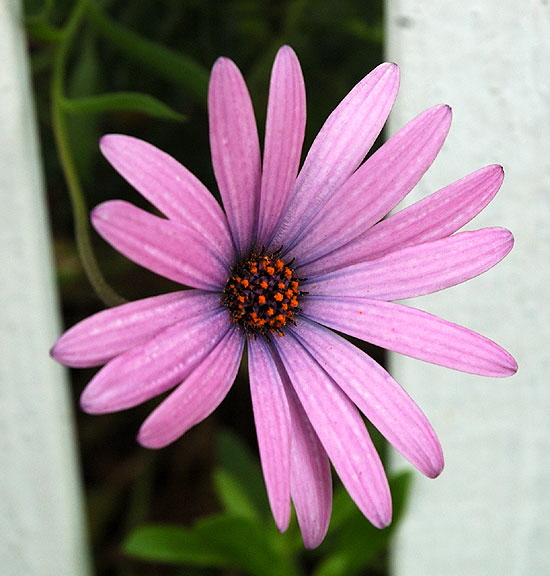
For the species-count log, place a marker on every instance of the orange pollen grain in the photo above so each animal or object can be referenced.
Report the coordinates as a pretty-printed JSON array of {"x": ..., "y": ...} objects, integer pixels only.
[{"x": 262, "y": 295}]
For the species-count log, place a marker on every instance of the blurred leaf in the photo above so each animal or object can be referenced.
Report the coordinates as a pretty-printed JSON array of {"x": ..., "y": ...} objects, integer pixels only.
[
  {"x": 353, "y": 542},
  {"x": 245, "y": 545},
  {"x": 239, "y": 480},
  {"x": 38, "y": 9},
  {"x": 173, "y": 66},
  {"x": 234, "y": 496},
  {"x": 216, "y": 541},
  {"x": 400, "y": 485},
  {"x": 127, "y": 101},
  {"x": 172, "y": 545},
  {"x": 364, "y": 31},
  {"x": 84, "y": 79},
  {"x": 42, "y": 30},
  {"x": 343, "y": 508}
]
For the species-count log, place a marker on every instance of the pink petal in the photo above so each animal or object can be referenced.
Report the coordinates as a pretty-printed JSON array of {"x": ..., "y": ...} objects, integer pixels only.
[
  {"x": 411, "y": 332},
  {"x": 165, "y": 247},
  {"x": 419, "y": 269},
  {"x": 168, "y": 185},
  {"x": 341, "y": 431},
  {"x": 284, "y": 135},
  {"x": 310, "y": 476},
  {"x": 272, "y": 418},
  {"x": 156, "y": 366},
  {"x": 339, "y": 148},
  {"x": 436, "y": 216},
  {"x": 197, "y": 397},
  {"x": 109, "y": 333},
  {"x": 376, "y": 394},
  {"x": 235, "y": 150},
  {"x": 377, "y": 186}
]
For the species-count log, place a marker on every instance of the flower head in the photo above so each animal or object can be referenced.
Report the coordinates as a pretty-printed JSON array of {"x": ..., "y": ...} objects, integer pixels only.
[{"x": 294, "y": 254}]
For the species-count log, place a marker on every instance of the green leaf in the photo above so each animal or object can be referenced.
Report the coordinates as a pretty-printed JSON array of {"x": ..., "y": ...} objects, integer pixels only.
[
  {"x": 126, "y": 101},
  {"x": 234, "y": 496},
  {"x": 172, "y": 545},
  {"x": 43, "y": 30},
  {"x": 353, "y": 548},
  {"x": 217, "y": 541},
  {"x": 353, "y": 543},
  {"x": 85, "y": 78},
  {"x": 244, "y": 543},
  {"x": 173, "y": 66},
  {"x": 239, "y": 479},
  {"x": 400, "y": 485}
]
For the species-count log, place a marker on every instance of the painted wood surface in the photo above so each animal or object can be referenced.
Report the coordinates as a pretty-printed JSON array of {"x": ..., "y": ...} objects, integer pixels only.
[
  {"x": 489, "y": 512},
  {"x": 41, "y": 521}
]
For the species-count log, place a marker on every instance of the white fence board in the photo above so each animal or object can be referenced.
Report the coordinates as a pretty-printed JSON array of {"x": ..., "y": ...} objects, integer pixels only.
[
  {"x": 489, "y": 512},
  {"x": 41, "y": 521}
]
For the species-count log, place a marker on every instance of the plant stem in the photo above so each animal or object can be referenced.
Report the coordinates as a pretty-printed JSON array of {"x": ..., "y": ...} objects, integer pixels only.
[{"x": 79, "y": 208}]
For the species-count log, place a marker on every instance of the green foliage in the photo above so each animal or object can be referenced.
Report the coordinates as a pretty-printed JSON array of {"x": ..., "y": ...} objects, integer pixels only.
[
  {"x": 174, "y": 67},
  {"x": 353, "y": 543},
  {"x": 83, "y": 78},
  {"x": 238, "y": 479},
  {"x": 217, "y": 541},
  {"x": 123, "y": 101},
  {"x": 243, "y": 537}
]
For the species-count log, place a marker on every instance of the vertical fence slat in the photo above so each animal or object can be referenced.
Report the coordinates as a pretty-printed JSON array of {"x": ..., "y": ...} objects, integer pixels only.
[
  {"x": 41, "y": 520},
  {"x": 489, "y": 512}
]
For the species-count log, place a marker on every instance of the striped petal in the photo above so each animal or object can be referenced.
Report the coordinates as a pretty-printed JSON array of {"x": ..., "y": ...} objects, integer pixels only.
[
  {"x": 101, "y": 337},
  {"x": 197, "y": 397},
  {"x": 165, "y": 247},
  {"x": 411, "y": 332},
  {"x": 420, "y": 269},
  {"x": 310, "y": 476},
  {"x": 377, "y": 186},
  {"x": 436, "y": 216},
  {"x": 339, "y": 148},
  {"x": 341, "y": 431},
  {"x": 272, "y": 418},
  {"x": 235, "y": 150},
  {"x": 169, "y": 186},
  {"x": 284, "y": 135},
  {"x": 156, "y": 366},
  {"x": 377, "y": 395}
]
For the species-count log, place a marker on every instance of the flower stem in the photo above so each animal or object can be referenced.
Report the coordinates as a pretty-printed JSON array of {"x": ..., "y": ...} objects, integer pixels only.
[{"x": 80, "y": 211}]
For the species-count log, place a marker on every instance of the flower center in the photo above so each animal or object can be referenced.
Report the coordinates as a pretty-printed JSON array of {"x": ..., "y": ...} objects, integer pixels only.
[{"x": 262, "y": 295}]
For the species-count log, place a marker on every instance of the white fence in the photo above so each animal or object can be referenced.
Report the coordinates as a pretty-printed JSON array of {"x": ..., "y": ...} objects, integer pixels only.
[
  {"x": 489, "y": 513},
  {"x": 41, "y": 522}
]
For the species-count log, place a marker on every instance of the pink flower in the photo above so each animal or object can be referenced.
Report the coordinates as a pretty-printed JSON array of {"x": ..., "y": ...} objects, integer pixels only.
[{"x": 295, "y": 255}]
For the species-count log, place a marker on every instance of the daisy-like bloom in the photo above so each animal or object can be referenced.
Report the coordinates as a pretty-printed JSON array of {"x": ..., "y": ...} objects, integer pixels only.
[{"x": 293, "y": 255}]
